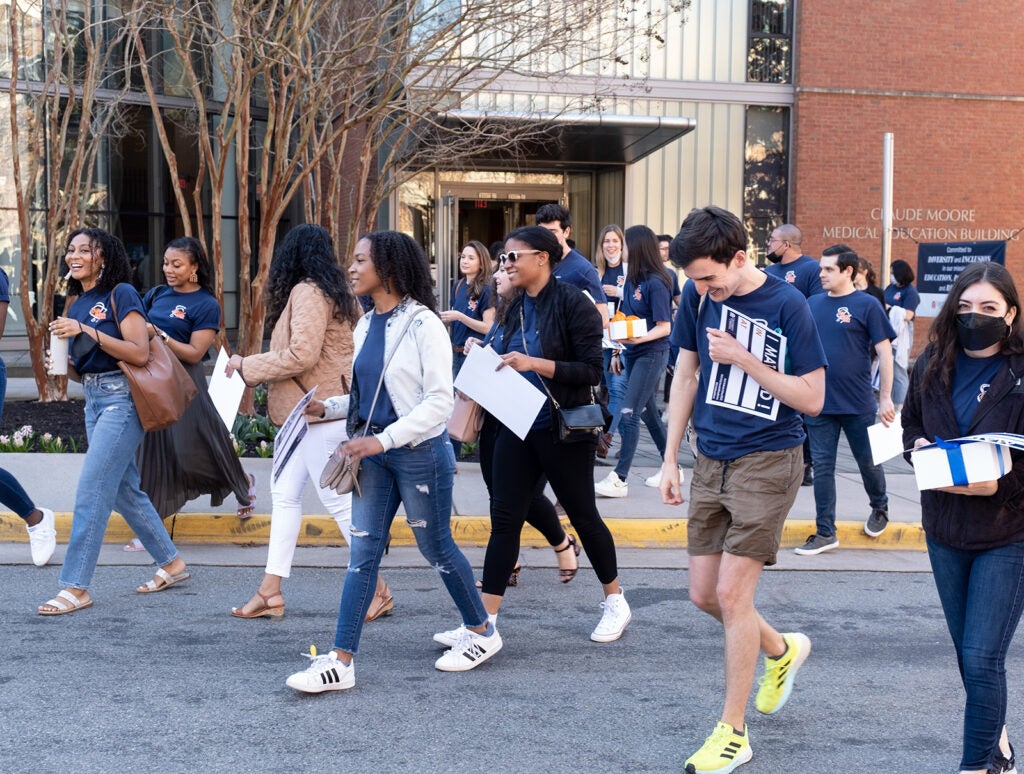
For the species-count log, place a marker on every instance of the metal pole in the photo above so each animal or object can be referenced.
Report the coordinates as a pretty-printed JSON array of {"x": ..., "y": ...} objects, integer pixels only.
[{"x": 887, "y": 167}]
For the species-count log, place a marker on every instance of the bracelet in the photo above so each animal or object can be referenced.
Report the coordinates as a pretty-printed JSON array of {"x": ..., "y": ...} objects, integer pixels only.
[{"x": 79, "y": 326}]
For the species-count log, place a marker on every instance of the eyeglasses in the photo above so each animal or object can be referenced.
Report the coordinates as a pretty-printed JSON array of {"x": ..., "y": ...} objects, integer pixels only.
[
  {"x": 775, "y": 239},
  {"x": 514, "y": 255}
]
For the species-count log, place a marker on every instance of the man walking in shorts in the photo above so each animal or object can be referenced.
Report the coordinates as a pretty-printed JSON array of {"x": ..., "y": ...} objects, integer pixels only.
[{"x": 749, "y": 456}]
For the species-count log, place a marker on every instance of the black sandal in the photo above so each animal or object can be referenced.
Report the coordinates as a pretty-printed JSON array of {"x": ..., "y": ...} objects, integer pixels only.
[{"x": 567, "y": 575}]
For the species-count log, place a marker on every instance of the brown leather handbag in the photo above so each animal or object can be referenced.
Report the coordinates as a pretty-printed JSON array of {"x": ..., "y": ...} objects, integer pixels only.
[{"x": 161, "y": 389}]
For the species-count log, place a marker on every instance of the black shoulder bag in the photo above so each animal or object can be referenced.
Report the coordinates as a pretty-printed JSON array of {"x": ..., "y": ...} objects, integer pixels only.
[{"x": 579, "y": 423}]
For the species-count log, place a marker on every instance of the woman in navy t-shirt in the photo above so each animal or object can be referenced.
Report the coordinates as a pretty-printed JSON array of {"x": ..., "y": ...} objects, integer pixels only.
[
  {"x": 647, "y": 294},
  {"x": 472, "y": 311},
  {"x": 108, "y": 324},
  {"x": 902, "y": 293},
  {"x": 194, "y": 456},
  {"x": 611, "y": 265}
]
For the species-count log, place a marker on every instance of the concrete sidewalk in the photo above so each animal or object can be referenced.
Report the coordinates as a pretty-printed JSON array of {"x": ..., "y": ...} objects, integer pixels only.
[{"x": 639, "y": 520}]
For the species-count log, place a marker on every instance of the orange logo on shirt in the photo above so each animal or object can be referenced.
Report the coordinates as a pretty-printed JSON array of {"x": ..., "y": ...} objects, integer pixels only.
[
  {"x": 637, "y": 294},
  {"x": 98, "y": 311},
  {"x": 179, "y": 312},
  {"x": 843, "y": 315}
]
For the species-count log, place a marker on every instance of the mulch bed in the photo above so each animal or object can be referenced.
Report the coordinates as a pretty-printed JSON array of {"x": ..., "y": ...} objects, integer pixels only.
[{"x": 59, "y": 418}]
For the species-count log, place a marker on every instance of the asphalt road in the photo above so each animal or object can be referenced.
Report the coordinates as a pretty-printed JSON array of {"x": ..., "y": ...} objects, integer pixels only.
[{"x": 170, "y": 682}]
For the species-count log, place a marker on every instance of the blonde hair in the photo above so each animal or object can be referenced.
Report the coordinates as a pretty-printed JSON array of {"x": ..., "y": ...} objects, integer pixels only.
[{"x": 599, "y": 258}]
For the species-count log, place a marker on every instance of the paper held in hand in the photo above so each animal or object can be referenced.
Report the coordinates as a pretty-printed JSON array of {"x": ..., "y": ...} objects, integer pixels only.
[
  {"x": 730, "y": 386},
  {"x": 968, "y": 460},
  {"x": 292, "y": 431},
  {"x": 506, "y": 394},
  {"x": 226, "y": 391},
  {"x": 886, "y": 442}
]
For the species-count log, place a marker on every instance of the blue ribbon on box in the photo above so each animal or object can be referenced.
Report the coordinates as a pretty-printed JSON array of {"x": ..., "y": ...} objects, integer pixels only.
[{"x": 955, "y": 456}]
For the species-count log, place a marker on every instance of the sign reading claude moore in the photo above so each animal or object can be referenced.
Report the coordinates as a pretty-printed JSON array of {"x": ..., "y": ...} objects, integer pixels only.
[{"x": 921, "y": 224}]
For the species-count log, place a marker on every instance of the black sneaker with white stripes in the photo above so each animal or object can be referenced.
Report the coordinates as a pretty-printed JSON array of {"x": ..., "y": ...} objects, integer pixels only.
[{"x": 469, "y": 651}]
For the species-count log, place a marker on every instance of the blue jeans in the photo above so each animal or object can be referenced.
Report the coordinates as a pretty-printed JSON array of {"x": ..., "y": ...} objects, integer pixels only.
[
  {"x": 900, "y": 383},
  {"x": 823, "y": 432},
  {"x": 643, "y": 374},
  {"x": 3, "y": 386},
  {"x": 109, "y": 481},
  {"x": 14, "y": 496},
  {"x": 616, "y": 384},
  {"x": 982, "y": 595},
  {"x": 420, "y": 477}
]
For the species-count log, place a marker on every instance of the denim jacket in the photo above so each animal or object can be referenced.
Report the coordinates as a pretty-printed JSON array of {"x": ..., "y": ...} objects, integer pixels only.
[{"x": 418, "y": 378}]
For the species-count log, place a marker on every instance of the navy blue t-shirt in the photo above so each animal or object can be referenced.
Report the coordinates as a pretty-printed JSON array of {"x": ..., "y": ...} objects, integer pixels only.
[
  {"x": 578, "y": 271},
  {"x": 725, "y": 433},
  {"x": 179, "y": 315},
  {"x": 803, "y": 274},
  {"x": 614, "y": 275},
  {"x": 5, "y": 287},
  {"x": 849, "y": 328},
  {"x": 907, "y": 296},
  {"x": 503, "y": 344},
  {"x": 366, "y": 371},
  {"x": 650, "y": 300},
  {"x": 471, "y": 307},
  {"x": 93, "y": 308},
  {"x": 971, "y": 381}
]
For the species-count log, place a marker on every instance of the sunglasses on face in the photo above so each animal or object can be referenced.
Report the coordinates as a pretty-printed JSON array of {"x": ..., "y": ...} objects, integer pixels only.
[{"x": 514, "y": 255}]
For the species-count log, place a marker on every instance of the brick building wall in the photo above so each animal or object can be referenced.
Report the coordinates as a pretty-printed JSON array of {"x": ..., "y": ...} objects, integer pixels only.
[{"x": 947, "y": 79}]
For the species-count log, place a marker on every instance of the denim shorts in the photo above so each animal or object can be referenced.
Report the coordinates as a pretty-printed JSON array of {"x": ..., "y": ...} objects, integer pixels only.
[{"x": 740, "y": 506}]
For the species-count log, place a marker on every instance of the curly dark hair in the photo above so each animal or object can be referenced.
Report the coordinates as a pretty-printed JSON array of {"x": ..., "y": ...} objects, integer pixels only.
[
  {"x": 195, "y": 250},
  {"x": 116, "y": 266},
  {"x": 944, "y": 343},
  {"x": 307, "y": 253},
  {"x": 401, "y": 266}
]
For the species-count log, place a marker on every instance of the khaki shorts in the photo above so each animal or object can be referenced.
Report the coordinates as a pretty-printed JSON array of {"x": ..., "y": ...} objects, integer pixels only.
[{"x": 740, "y": 506}]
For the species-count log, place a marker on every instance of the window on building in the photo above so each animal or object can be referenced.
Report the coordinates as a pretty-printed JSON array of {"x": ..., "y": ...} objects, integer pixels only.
[
  {"x": 765, "y": 173},
  {"x": 769, "y": 53}
]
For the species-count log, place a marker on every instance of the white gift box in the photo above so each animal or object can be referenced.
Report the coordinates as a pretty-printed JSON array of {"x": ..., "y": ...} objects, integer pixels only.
[
  {"x": 626, "y": 329},
  {"x": 958, "y": 463}
]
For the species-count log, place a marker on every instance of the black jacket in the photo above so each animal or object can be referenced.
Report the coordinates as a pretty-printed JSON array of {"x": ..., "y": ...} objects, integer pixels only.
[
  {"x": 570, "y": 334},
  {"x": 963, "y": 521}
]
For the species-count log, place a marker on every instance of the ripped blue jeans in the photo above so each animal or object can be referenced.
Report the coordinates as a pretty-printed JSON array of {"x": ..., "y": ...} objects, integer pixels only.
[{"x": 420, "y": 477}]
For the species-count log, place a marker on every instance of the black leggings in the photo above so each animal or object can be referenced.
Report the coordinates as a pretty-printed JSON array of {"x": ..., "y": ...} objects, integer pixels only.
[
  {"x": 541, "y": 514},
  {"x": 517, "y": 467}
]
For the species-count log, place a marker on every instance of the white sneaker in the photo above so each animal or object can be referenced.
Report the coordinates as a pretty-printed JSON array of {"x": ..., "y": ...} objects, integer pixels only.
[
  {"x": 42, "y": 538},
  {"x": 450, "y": 637},
  {"x": 611, "y": 486},
  {"x": 615, "y": 619},
  {"x": 469, "y": 651},
  {"x": 655, "y": 480},
  {"x": 326, "y": 673}
]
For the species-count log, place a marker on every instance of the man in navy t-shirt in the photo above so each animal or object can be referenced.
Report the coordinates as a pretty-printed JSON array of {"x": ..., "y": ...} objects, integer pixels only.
[
  {"x": 800, "y": 271},
  {"x": 852, "y": 327},
  {"x": 749, "y": 452},
  {"x": 573, "y": 268}
]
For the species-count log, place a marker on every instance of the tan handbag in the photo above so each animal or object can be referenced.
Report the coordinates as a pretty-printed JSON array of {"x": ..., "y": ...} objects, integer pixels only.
[
  {"x": 466, "y": 420},
  {"x": 161, "y": 389}
]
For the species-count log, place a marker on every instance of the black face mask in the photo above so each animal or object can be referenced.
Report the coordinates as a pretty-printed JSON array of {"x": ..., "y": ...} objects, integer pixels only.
[
  {"x": 980, "y": 331},
  {"x": 773, "y": 256}
]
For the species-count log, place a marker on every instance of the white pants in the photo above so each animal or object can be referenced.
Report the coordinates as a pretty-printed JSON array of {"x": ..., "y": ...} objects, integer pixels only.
[{"x": 307, "y": 462}]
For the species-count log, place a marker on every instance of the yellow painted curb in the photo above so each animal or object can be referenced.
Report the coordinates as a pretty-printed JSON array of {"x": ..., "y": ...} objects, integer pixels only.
[{"x": 321, "y": 530}]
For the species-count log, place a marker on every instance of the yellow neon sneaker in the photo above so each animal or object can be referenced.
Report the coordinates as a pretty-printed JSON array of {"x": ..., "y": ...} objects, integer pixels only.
[
  {"x": 724, "y": 751},
  {"x": 779, "y": 674}
]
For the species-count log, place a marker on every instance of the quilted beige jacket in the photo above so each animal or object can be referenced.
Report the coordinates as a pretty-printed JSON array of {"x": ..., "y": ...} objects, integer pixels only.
[{"x": 309, "y": 343}]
